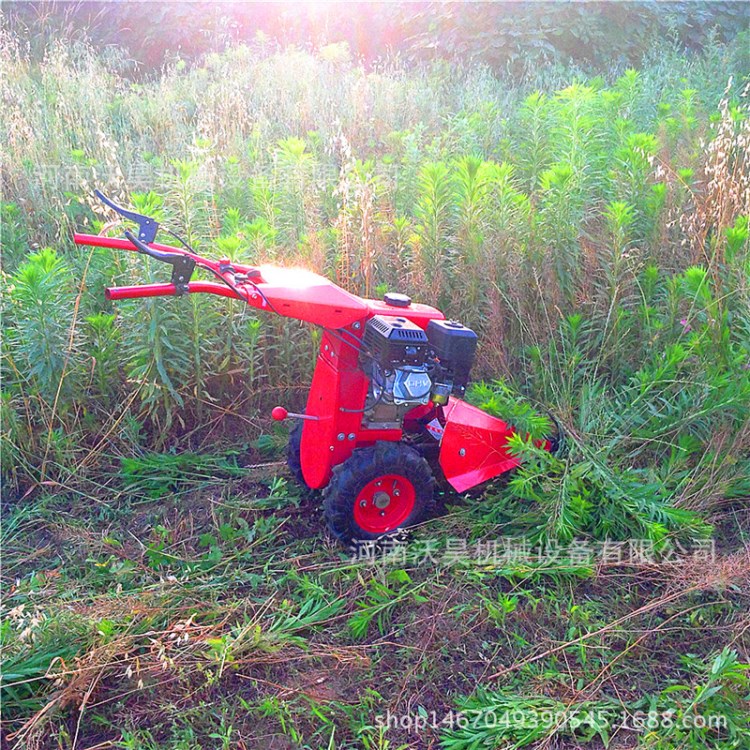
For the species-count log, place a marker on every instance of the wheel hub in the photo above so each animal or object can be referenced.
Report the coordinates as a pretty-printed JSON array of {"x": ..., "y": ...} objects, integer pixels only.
[
  {"x": 381, "y": 499},
  {"x": 384, "y": 503}
]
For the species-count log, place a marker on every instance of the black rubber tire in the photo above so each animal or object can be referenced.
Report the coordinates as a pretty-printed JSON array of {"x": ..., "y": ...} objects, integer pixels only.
[
  {"x": 364, "y": 465},
  {"x": 293, "y": 460}
]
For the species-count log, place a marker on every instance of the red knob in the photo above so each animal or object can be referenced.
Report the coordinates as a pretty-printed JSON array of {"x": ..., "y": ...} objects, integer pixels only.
[{"x": 279, "y": 413}]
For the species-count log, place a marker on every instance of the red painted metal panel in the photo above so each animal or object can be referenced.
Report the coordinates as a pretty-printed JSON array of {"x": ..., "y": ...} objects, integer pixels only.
[
  {"x": 304, "y": 295},
  {"x": 368, "y": 437},
  {"x": 337, "y": 384},
  {"x": 418, "y": 314},
  {"x": 474, "y": 447}
]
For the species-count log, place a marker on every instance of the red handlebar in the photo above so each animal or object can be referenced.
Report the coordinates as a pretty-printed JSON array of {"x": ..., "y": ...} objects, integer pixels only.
[
  {"x": 115, "y": 243},
  {"x": 156, "y": 290},
  {"x": 166, "y": 290},
  {"x": 290, "y": 292}
]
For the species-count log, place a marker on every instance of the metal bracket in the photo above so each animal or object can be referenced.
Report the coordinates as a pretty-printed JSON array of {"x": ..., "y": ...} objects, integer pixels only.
[
  {"x": 147, "y": 227},
  {"x": 182, "y": 265},
  {"x": 182, "y": 272}
]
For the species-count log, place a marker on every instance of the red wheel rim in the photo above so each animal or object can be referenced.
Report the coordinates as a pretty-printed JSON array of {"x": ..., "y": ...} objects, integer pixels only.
[{"x": 384, "y": 503}]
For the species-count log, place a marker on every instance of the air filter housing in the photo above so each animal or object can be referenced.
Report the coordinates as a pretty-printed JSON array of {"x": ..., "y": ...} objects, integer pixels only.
[{"x": 455, "y": 346}]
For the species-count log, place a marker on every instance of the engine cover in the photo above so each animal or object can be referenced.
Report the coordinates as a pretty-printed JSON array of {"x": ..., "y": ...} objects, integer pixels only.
[{"x": 394, "y": 342}]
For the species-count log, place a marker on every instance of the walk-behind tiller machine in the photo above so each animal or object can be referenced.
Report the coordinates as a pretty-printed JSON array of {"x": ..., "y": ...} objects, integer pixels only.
[{"x": 385, "y": 396}]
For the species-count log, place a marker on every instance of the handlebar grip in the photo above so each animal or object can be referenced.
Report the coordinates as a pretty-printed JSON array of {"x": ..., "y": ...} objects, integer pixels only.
[{"x": 138, "y": 292}]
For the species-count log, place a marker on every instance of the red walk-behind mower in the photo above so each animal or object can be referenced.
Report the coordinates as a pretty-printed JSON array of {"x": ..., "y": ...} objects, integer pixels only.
[{"x": 385, "y": 396}]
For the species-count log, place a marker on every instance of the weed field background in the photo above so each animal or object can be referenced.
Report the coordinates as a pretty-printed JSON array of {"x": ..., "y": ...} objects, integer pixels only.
[{"x": 165, "y": 585}]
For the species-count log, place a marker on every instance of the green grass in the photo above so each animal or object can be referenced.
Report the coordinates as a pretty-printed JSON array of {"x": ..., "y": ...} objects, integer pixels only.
[
  {"x": 165, "y": 585},
  {"x": 164, "y": 622},
  {"x": 517, "y": 206}
]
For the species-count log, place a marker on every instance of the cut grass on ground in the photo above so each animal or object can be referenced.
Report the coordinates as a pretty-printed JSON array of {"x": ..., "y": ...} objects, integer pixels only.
[{"x": 221, "y": 614}]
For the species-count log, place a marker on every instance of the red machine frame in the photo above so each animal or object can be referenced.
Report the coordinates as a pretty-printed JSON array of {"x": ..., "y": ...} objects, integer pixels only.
[{"x": 473, "y": 444}]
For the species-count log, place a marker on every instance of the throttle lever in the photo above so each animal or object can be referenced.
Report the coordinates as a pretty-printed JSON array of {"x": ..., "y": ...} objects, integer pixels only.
[{"x": 147, "y": 227}]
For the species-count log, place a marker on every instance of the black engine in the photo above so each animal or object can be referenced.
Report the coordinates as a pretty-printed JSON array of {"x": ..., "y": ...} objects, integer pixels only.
[{"x": 408, "y": 366}]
